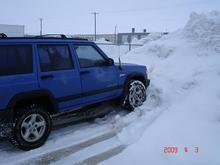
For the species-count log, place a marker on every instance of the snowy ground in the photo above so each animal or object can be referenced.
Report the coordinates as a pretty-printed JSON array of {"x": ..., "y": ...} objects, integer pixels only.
[
  {"x": 83, "y": 142},
  {"x": 182, "y": 109}
]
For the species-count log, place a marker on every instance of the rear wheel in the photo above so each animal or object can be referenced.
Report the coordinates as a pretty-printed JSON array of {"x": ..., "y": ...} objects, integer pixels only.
[
  {"x": 135, "y": 95},
  {"x": 32, "y": 127}
]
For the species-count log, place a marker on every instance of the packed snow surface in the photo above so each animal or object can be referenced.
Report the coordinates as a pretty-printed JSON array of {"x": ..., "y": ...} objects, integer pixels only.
[{"x": 184, "y": 68}]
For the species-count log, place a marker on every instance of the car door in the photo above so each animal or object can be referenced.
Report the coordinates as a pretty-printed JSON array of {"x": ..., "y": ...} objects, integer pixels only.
[
  {"x": 99, "y": 80},
  {"x": 59, "y": 74}
]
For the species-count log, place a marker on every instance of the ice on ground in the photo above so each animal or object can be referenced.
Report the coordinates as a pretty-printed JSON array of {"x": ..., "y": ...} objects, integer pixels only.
[{"x": 184, "y": 67}]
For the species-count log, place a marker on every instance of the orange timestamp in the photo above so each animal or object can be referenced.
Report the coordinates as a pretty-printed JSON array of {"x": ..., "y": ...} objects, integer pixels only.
[{"x": 174, "y": 149}]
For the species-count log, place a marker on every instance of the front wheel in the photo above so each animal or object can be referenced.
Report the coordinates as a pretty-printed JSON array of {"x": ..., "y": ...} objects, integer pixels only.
[
  {"x": 32, "y": 128},
  {"x": 135, "y": 95}
]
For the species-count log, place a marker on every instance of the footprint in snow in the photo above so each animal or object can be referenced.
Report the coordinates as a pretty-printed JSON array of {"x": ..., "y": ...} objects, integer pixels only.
[{"x": 189, "y": 85}]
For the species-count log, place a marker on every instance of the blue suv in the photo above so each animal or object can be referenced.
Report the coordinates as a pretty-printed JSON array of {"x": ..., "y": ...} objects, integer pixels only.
[{"x": 43, "y": 76}]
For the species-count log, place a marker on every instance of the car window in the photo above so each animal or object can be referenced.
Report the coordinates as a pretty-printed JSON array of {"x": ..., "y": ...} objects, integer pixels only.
[
  {"x": 54, "y": 57},
  {"x": 16, "y": 59},
  {"x": 89, "y": 57}
]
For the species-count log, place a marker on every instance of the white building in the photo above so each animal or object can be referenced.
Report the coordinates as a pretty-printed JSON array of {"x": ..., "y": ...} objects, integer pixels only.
[{"x": 12, "y": 30}]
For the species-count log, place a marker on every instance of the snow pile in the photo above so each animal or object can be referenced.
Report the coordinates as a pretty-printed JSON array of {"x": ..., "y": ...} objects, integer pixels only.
[
  {"x": 184, "y": 68},
  {"x": 135, "y": 40},
  {"x": 150, "y": 37},
  {"x": 103, "y": 40},
  {"x": 205, "y": 28},
  {"x": 114, "y": 51}
]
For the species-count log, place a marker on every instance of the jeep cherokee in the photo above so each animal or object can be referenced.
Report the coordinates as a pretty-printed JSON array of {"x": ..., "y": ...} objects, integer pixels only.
[{"x": 43, "y": 76}]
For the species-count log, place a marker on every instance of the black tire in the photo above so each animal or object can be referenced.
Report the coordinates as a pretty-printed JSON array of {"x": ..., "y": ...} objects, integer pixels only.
[
  {"x": 125, "y": 101},
  {"x": 17, "y": 139}
]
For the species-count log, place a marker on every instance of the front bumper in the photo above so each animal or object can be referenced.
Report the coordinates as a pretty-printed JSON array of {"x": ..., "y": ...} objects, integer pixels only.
[
  {"x": 6, "y": 122},
  {"x": 147, "y": 82},
  {"x": 6, "y": 116}
]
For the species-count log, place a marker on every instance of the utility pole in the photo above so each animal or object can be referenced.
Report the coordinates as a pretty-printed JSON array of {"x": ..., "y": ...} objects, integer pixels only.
[
  {"x": 41, "y": 26},
  {"x": 95, "y": 14},
  {"x": 116, "y": 34}
]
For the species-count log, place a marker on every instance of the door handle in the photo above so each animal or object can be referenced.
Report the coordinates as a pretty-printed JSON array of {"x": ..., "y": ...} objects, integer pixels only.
[
  {"x": 49, "y": 76},
  {"x": 85, "y": 72}
]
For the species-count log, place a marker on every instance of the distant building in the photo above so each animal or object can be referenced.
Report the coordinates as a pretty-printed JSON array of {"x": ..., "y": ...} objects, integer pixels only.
[
  {"x": 12, "y": 30},
  {"x": 128, "y": 37},
  {"x": 91, "y": 37},
  {"x": 118, "y": 38}
]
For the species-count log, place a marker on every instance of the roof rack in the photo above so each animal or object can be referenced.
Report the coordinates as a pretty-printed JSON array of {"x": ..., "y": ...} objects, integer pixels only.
[
  {"x": 52, "y": 35},
  {"x": 3, "y": 35},
  {"x": 45, "y": 36}
]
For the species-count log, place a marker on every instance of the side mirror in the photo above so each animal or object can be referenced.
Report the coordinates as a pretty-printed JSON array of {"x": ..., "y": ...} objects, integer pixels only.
[{"x": 110, "y": 62}]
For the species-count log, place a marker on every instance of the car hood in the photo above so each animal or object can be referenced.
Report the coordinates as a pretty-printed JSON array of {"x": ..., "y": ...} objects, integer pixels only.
[
  {"x": 126, "y": 64},
  {"x": 127, "y": 67}
]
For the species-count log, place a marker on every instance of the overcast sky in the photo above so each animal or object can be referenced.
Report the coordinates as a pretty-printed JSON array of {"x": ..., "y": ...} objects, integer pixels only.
[{"x": 74, "y": 16}]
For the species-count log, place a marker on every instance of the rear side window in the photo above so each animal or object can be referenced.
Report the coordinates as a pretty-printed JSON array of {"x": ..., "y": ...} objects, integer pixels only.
[
  {"x": 54, "y": 57},
  {"x": 15, "y": 59}
]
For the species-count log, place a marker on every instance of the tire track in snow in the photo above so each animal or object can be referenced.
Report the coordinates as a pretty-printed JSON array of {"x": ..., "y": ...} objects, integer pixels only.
[
  {"x": 103, "y": 156},
  {"x": 48, "y": 158}
]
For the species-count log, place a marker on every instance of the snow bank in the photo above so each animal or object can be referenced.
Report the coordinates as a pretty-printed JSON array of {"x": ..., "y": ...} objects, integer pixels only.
[
  {"x": 204, "y": 28},
  {"x": 103, "y": 40},
  {"x": 150, "y": 37},
  {"x": 184, "y": 68}
]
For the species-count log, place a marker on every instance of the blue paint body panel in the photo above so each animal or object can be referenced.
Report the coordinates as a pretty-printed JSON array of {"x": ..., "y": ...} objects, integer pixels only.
[{"x": 69, "y": 88}]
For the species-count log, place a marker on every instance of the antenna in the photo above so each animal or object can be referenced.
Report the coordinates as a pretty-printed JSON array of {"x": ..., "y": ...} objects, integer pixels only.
[
  {"x": 41, "y": 26},
  {"x": 120, "y": 66},
  {"x": 119, "y": 58}
]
